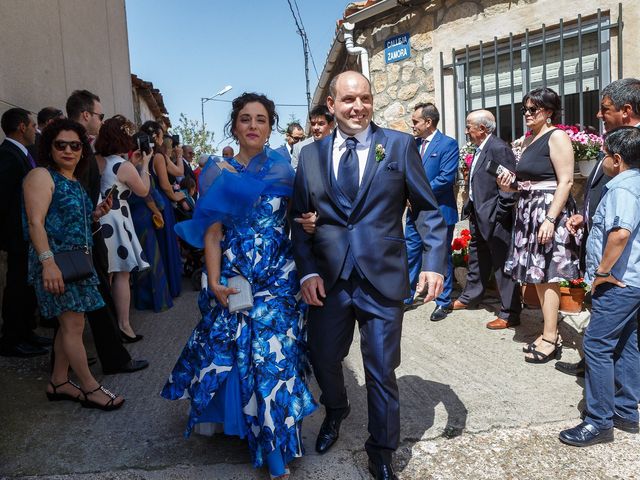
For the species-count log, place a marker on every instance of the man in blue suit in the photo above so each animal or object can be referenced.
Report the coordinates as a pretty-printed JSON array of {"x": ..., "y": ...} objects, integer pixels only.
[
  {"x": 440, "y": 162},
  {"x": 354, "y": 266}
]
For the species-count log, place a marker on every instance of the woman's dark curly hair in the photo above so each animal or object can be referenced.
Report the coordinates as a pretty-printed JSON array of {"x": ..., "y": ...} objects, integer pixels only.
[
  {"x": 51, "y": 132},
  {"x": 546, "y": 98},
  {"x": 115, "y": 136},
  {"x": 240, "y": 102}
]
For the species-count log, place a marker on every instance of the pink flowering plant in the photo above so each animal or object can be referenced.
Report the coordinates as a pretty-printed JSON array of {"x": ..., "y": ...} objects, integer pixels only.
[
  {"x": 464, "y": 160},
  {"x": 586, "y": 146}
]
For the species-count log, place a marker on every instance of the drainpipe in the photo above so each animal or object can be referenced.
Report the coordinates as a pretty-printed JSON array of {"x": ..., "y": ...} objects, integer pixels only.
[{"x": 353, "y": 50}]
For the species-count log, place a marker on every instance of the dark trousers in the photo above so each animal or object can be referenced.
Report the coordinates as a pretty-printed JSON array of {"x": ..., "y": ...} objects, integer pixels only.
[
  {"x": 414, "y": 259},
  {"x": 612, "y": 377},
  {"x": 103, "y": 322},
  {"x": 330, "y": 333},
  {"x": 486, "y": 256},
  {"x": 19, "y": 301}
]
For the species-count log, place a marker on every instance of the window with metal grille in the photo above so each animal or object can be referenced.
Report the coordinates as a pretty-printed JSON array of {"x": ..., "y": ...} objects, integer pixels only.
[{"x": 573, "y": 58}]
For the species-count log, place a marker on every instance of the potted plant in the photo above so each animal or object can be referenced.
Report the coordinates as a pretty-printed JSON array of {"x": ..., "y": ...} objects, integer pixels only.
[
  {"x": 465, "y": 159},
  {"x": 572, "y": 294},
  {"x": 460, "y": 255},
  {"x": 586, "y": 147}
]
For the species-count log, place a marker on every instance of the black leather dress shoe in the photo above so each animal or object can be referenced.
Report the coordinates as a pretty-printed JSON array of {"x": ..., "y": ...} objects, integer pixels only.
[
  {"x": 575, "y": 369},
  {"x": 129, "y": 367},
  {"x": 382, "y": 471},
  {"x": 585, "y": 435},
  {"x": 330, "y": 430},
  {"x": 23, "y": 350},
  {"x": 440, "y": 313},
  {"x": 38, "y": 341},
  {"x": 625, "y": 425}
]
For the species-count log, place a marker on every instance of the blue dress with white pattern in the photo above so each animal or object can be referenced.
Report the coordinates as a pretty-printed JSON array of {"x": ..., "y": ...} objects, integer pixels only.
[{"x": 257, "y": 357}]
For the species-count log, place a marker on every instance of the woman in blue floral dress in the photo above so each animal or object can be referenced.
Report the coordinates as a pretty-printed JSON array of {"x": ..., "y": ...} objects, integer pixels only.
[{"x": 247, "y": 370}]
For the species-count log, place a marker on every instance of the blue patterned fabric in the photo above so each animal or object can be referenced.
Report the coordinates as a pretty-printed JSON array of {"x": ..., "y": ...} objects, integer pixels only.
[
  {"x": 265, "y": 345},
  {"x": 150, "y": 287},
  {"x": 168, "y": 242},
  {"x": 65, "y": 229}
]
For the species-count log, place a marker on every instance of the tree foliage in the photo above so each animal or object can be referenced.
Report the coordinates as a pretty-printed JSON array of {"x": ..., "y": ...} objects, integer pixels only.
[{"x": 193, "y": 133}]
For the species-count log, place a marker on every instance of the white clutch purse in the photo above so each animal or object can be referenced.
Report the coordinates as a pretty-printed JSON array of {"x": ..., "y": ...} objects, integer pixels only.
[{"x": 243, "y": 300}]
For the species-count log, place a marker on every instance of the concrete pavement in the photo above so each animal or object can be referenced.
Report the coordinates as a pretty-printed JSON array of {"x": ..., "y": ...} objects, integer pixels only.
[{"x": 471, "y": 408}]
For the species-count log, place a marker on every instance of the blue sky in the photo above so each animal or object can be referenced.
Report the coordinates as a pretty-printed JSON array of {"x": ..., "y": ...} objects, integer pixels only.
[{"x": 192, "y": 49}]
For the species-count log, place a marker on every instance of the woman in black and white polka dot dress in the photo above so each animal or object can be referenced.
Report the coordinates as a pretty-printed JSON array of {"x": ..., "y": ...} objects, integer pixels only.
[{"x": 120, "y": 177}]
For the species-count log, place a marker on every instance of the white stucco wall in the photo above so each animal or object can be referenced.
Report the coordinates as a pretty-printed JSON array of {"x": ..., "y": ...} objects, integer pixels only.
[{"x": 52, "y": 47}]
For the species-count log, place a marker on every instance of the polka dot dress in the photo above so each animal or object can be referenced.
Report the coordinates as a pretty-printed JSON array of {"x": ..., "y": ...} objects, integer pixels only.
[{"x": 125, "y": 252}]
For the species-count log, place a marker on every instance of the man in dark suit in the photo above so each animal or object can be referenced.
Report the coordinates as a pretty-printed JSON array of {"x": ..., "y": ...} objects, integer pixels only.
[
  {"x": 85, "y": 108},
  {"x": 44, "y": 118},
  {"x": 354, "y": 266},
  {"x": 19, "y": 299},
  {"x": 294, "y": 134},
  {"x": 490, "y": 213},
  {"x": 440, "y": 162},
  {"x": 620, "y": 106}
]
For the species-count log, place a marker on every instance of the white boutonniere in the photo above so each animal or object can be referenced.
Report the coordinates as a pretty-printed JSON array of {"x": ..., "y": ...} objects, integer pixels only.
[{"x": 379, "y": 153}]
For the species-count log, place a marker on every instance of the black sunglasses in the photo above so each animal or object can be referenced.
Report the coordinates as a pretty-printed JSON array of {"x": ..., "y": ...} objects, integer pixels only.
[
  {"x": 61, "y": 145},
  {"x": 99, "y": 115},
  {"x": 531, "y": 110}
]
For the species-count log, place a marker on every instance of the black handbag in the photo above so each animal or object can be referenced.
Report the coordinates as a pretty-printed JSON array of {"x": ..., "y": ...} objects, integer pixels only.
[{"x": 76, "y": 265}]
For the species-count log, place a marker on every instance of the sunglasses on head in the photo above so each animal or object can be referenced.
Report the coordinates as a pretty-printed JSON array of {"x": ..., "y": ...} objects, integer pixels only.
[
  {"x": 61, "y": 145},
  {"x": 532, "y": 110}
]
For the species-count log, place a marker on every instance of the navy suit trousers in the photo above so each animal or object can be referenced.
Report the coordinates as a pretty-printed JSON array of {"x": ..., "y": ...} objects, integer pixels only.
[{"x": 330, "y": 333}]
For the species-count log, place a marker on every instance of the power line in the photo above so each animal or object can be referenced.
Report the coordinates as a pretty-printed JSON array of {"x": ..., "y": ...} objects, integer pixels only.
[
  {"x": 305, "y": 31},
  {"x": 305, "y": 48}
]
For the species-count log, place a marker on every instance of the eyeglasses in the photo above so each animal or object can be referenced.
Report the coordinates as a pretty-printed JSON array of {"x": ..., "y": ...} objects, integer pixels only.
[
  {"x": 99, "y": 115},
  {"x": 531, "y": 110},
  {"x": 297, "y": 139},
  {"x": 61, "y": 145}
]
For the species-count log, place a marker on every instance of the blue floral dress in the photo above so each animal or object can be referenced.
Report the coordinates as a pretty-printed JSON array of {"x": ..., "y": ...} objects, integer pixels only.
[
  {"x": 260, "y": 353},
  {"x": 65, "y": 229}
]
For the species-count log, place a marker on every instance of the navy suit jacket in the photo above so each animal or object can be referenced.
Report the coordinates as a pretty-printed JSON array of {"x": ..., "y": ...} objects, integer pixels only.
[
  {"x": 372, "y": 225},
  {"x": 14, "y": 166},
  {"x": 440, "y": 162},
  {"x": 284, "y": 151}
]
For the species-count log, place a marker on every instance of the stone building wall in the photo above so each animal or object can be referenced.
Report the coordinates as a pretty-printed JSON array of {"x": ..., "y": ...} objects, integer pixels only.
[{"x": 443, "y": 25}]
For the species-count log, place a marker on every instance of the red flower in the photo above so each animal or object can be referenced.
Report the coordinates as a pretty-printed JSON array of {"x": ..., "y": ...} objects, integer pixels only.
[
  {"x": 466, "y": 232},
  {"x": 466, "y": 258},
  {"x": 456, "y": 244}
]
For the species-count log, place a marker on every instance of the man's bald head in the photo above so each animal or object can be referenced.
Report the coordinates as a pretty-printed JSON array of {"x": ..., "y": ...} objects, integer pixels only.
[
  {"x": 480, "y": 124},
  {"x": 351, "y": 102}
]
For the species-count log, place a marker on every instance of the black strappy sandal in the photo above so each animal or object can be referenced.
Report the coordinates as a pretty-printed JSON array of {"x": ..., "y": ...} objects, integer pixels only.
[
  {"x": 107, "y": 407},
  {"x": 56, "y": 397},
  {"x": 539, "y": 357},
  {"x": 532, "y": 346}
]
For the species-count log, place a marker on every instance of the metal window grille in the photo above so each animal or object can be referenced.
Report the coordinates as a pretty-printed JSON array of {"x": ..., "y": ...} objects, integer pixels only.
[{"x": 572, "y": 57}]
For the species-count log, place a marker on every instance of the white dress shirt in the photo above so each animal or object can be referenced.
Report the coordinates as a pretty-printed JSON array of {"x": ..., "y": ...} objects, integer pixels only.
[
  {"x": 474, "y": 164},
  {"x": 425, "y": 143},
  {"x": 362, "y": 150},
  {"x": 22, "y": 148}
]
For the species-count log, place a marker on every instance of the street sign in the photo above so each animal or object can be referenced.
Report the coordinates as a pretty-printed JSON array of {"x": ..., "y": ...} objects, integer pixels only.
[{"x": 397, "y": 48}]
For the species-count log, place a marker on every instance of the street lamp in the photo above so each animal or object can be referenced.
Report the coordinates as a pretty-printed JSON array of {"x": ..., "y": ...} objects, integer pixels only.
[{"x": 204, "y": 100}]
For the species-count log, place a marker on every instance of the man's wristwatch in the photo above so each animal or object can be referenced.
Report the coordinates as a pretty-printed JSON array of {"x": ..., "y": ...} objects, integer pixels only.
[{"x": 602, "y": 274}]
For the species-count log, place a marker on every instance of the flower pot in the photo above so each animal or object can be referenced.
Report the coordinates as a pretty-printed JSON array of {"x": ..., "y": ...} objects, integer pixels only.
[
  {"x": 461, "y": 276},
  {"x": 530, "y": 296},
  {"x": 586, "y": 166},
  {"x": 571, "y": 299}
]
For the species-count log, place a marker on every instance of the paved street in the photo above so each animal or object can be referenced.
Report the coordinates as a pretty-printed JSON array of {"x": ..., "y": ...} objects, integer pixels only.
[{"x": 471, "y": 409}]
